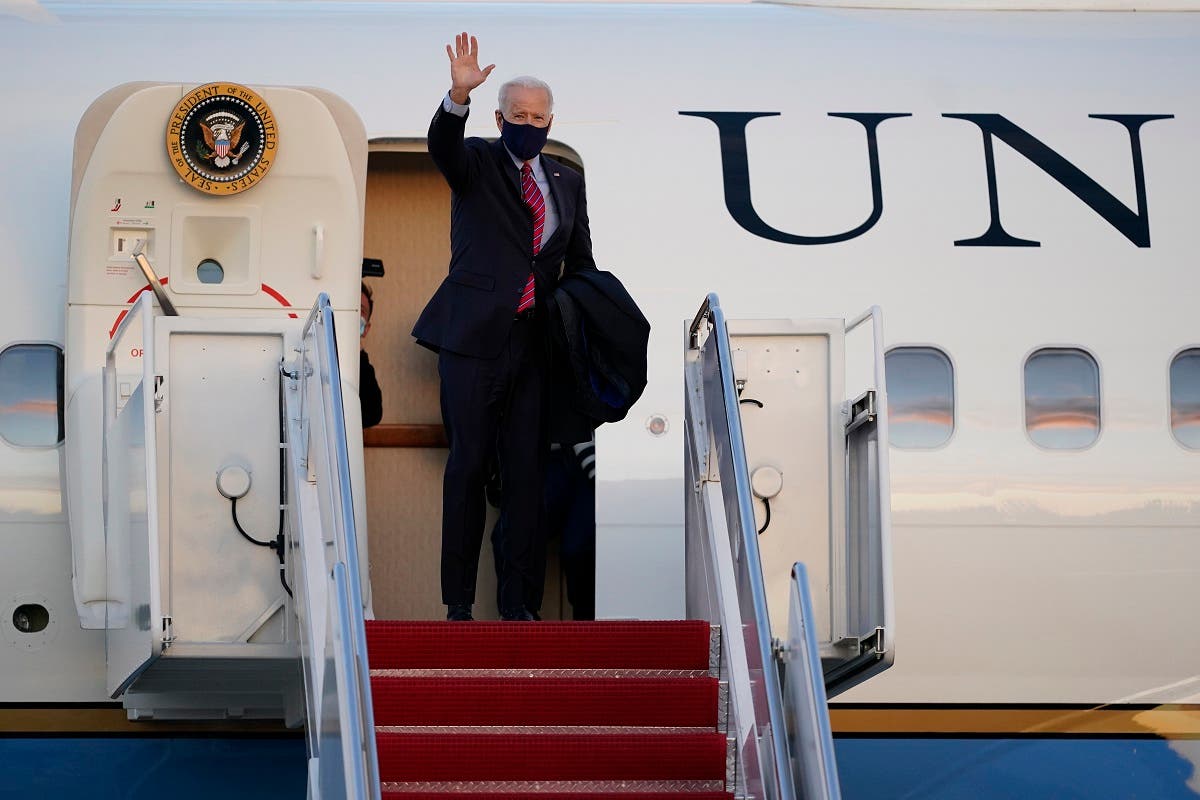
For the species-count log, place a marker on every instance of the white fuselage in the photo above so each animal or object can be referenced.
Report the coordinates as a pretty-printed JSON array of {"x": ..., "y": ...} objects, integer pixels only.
[{"x": 1022, "y": 575}]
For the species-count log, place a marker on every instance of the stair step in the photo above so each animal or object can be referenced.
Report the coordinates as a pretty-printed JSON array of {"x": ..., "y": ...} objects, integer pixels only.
[
  {"x": 553, "y": 710},
  {"x": 407, "y": 757},
  {"x": 667, "y": 702},
  {"x": 541, "y": 730},
  {"x": 677, "y": 645},
  {"x": 525, "y": 795},
  {"x": 526, "y": 672},
  {"x": 546, "y": 790}
]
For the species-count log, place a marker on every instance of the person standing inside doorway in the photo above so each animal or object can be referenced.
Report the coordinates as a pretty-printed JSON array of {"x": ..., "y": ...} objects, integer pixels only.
[
  {"x": 370, "y": 396},
  {"x": 518, "y": 220}
]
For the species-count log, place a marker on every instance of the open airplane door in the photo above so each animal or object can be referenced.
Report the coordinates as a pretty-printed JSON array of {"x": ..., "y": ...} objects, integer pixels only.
[
  {"x": 204, "y": 220},
  {"x": 864, "y": 627},
  {"x": 818, "y": 459}
]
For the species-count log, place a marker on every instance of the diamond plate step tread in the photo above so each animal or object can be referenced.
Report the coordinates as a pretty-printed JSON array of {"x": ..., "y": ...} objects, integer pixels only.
[
  {"x": 558, "y": 757},
  {"x": 671, "y": 645},
  {"x": 540, "y": 673},
  {"x": 558, "y": 790},
  {"x": 644, "y": 702},
  {"x": 525, "y": 795},
  {"x": 542, "y": 730}
]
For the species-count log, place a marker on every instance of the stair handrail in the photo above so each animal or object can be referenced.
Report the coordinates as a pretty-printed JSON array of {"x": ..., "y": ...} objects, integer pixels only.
[
  {"x": 810, "y": 739},
  {"x": 341, "y": 727},
  {"x": 720, "y": 448},
  {"x": 129, "y": 390}
]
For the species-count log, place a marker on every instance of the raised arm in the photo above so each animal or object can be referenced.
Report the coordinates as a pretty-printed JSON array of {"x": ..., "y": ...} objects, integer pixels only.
[{"x": 446, "y": 129}]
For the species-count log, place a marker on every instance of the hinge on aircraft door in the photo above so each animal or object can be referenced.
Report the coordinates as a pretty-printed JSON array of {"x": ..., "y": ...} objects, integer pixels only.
[
  {"x": 875, "y": 642},
  {"x": 168, "y": 635},
  {"x": 861, "y": 411},
  {"x": 880, "y": 641},
  {"x": 158, "y": 398},
  {"x": 292, "y": 369},
  {"x": 292, "y": 374}
]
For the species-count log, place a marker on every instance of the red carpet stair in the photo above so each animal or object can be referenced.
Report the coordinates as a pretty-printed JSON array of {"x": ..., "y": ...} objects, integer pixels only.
[{"x": 548, "y": 710}]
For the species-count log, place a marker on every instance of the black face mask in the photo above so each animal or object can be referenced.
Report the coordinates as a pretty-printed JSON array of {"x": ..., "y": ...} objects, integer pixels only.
[{"x": 523, "y": 141}]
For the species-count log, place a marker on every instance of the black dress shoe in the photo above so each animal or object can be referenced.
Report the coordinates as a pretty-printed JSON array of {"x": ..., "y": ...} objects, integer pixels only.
[
  {"x": 518, "y": 614},
  {"x": 459, "y": 613}
]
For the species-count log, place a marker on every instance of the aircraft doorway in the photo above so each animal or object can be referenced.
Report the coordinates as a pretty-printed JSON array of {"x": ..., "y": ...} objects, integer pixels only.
[{"x": 408, "y": 227}]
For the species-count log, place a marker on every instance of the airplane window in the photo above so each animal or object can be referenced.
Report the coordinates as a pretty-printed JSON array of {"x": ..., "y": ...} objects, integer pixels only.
[
  {"x": 31, "y": 393},
  {"x": 920, "y": 389},
  {"x": 1185, "y": 398},
  {"x": 1062, "y": 399}
]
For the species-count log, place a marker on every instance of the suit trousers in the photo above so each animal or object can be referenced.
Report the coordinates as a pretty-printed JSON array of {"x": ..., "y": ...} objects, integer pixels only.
[
  {"x": 493, "y": 408},
  {"x": 569, "y": 514}
]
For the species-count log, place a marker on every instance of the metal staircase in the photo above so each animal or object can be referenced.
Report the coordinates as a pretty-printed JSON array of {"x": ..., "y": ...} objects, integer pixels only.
[
  {"x": 769, "y": 426},
  {"x": 558, "y": 710}
]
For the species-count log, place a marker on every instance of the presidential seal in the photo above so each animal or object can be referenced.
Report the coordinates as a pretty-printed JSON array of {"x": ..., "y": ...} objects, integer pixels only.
[{"x": 222, "y": 138}]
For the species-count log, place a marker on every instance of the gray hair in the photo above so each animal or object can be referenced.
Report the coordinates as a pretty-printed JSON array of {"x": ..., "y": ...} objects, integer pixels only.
[{"x": 523, "y": 82}]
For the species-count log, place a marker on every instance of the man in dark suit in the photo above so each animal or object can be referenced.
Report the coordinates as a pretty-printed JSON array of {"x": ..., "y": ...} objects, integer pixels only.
[{"x": 518, "y": 220}]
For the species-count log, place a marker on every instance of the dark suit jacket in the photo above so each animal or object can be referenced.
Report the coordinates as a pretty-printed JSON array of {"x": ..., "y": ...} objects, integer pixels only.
[{"x": 491, "y": 241}]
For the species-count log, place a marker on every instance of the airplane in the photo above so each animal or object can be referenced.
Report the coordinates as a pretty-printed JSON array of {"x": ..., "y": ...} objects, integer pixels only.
[{"x": 1009, "y": 181}]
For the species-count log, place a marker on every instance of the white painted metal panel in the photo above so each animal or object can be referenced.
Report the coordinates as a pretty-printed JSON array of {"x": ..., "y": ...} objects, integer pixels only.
[
  {"x": 221, "y": 409},
  {"x": 795, "y": 369}
]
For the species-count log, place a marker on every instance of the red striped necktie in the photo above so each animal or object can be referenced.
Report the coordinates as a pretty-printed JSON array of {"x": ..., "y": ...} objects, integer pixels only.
[{"x": 537, "y": 207}]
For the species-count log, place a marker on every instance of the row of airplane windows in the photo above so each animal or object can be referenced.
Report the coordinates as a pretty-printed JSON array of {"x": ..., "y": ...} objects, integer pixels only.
[{"x": 1062, "y": 398}]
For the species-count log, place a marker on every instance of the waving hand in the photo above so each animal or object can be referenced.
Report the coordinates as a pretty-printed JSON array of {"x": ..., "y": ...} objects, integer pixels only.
[{"x": 465, "y": 73}]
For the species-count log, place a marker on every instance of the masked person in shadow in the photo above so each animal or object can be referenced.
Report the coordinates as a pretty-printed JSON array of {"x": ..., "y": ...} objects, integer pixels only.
[{"x": 369, "y": 394}]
